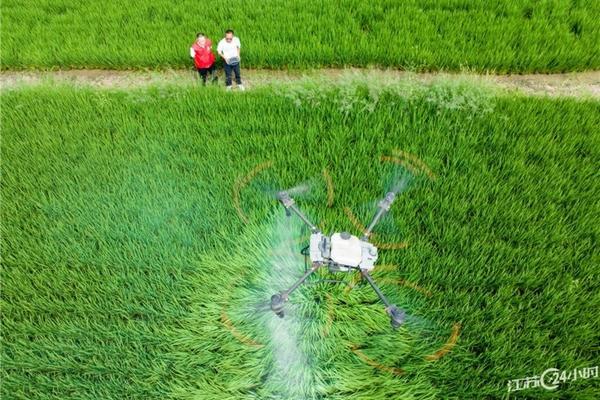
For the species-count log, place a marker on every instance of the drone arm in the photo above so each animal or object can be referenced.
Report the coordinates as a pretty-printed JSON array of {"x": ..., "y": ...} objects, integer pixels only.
[
  {"x": 303, "y": 217},
  {"x": 380, "y": 294},
  {"x": 382, "y": 208},
  {"x": 279, "y": 299},
  {"x": 299, "y": 282},
  {"x": 290, "y": 205},
  {"x": 397, "y": 315}
]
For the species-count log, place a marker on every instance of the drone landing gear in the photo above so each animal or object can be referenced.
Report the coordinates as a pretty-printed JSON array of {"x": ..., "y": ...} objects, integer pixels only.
[
  {"x": 397, "y": 315},
  {"x": 279, "y": 299}
]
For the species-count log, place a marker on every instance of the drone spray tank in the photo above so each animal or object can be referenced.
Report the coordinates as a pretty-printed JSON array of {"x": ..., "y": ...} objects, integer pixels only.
[{"x": 340, "y": 252}]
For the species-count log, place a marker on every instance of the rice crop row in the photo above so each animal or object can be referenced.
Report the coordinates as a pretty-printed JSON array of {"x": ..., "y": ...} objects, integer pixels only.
[
  {"x": 501, "y": 36},
  {"x": 127, "y": 271}
]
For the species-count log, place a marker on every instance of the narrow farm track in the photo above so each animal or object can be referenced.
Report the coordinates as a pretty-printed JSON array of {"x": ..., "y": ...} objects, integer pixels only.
[{"x": 580, "y": 84}]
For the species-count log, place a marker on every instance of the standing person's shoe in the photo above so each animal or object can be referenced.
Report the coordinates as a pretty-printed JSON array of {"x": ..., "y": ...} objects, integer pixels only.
[{"x": 242, "y": 88}]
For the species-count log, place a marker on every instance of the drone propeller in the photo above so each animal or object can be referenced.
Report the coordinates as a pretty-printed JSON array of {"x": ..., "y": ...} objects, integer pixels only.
[
  {"x": 398, "y": 181},
  {"x": 251, "y": 308},
  {"x": 307, "y": 190},
  {"x": 300, "y": 189},
  {"x": 395, "y": 182}
]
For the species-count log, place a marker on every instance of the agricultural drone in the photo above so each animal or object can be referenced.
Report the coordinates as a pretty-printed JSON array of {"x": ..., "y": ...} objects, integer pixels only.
[{"x": 340, "y": 252}]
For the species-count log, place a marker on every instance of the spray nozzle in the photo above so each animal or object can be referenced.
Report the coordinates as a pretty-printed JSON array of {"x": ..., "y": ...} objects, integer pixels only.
[{"x": 277, "y": 302}]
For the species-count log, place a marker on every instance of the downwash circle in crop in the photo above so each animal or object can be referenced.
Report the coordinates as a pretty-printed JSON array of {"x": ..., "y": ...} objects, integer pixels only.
[{"x": 331, "y": 317}]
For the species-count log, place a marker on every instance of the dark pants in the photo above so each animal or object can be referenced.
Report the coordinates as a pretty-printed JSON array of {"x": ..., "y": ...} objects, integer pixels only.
[
  {"x": 205, "y": 71},
  {"x": 236, "y": 70}
]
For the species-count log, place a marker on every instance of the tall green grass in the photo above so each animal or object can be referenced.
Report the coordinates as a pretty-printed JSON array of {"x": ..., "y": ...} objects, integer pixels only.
[
  {"x": 501, "y": 36},
  {"x": 122, "y": 246}
]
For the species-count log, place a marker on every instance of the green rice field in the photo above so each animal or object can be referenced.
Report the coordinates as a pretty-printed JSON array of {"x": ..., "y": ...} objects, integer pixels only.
[
  {"x": 517, "y": 36},
  {"x": 139, "y": 241}
]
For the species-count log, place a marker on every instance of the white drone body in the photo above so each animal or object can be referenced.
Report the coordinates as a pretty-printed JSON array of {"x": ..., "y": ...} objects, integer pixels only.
[{"x": 342, "y": 252}]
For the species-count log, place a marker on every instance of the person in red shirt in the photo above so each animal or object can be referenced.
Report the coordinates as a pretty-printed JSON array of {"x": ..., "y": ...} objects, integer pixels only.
[{"x": 204, "y": 59}]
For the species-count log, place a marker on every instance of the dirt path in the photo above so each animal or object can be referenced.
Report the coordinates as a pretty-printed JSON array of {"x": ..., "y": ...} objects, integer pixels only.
[{"x": 583, "y": 84}]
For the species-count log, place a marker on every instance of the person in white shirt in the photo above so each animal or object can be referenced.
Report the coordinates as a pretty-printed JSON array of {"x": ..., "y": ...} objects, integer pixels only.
[{"x": 229, "y": 50}]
